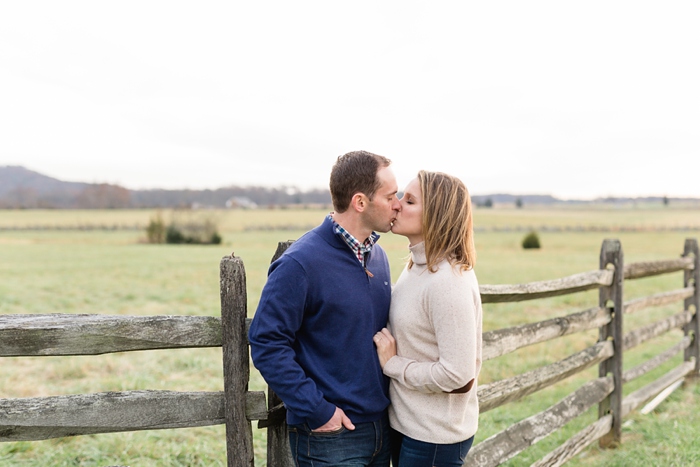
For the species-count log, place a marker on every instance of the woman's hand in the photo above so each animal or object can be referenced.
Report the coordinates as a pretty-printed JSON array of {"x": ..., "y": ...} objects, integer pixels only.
[{"x": 386, "y": 346}]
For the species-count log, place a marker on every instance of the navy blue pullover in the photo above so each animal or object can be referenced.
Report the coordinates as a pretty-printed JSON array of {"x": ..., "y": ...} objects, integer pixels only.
[{"x": 311, "y": 336}]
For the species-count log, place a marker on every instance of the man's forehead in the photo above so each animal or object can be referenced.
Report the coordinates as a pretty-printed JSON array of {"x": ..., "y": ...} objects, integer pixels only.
[
  {"x": 388, "y": 180},
  {"x": 389, "y": 187}
]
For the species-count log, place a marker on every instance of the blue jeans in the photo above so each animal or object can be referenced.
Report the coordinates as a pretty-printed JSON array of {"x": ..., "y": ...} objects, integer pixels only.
[
  {"x": 366, "y": 445},
  {"x": 409, "y": 452}
]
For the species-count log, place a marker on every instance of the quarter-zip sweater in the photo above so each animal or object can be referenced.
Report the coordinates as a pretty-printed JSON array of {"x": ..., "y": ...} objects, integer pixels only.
[
  {"x": 436, "y": 318},
  {"x": 311, "y": 336}
]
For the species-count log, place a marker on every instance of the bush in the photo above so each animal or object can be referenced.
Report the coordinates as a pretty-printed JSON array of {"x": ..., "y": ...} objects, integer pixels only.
[
  {"x": 190, "y": 230},
  {"x": 215, "y": 239},
  {"x": 531, "y": 240},
  {"x": 173, "y": 235},
  {"x": 155, "y": 232}
]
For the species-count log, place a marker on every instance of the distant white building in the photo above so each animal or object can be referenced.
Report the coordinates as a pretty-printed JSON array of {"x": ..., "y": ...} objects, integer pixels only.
[
  {"x": 240, "y": 202},
  {"x": 200, "y": 206}
]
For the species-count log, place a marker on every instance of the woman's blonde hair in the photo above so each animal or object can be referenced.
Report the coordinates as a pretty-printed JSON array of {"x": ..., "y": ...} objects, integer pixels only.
[{"x": 448, "y": 227}]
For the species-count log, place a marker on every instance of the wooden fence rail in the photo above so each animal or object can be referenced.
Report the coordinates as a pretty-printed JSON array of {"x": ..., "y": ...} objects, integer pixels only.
[
  {"x": 27, "y": 419},
  {"x": 607, "y": 390}
]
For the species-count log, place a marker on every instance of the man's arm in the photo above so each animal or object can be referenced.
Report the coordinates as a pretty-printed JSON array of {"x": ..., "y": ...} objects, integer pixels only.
[{"x": 272, "y": 334}]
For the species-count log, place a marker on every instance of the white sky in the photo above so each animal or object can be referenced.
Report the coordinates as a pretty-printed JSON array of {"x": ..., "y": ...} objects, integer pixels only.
[{"x": 572, "y": 99}]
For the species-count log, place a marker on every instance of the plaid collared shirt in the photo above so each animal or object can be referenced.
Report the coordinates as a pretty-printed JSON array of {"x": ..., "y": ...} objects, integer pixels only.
[{"x": 360, "y": 249}]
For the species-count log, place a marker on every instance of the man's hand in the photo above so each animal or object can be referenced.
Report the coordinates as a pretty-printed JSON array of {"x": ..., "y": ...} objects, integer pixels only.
[{"x": 337, "y": 421}]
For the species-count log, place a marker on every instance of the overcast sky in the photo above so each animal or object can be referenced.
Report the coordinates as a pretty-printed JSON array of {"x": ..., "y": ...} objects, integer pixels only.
[{"x": 572, "y": 99}]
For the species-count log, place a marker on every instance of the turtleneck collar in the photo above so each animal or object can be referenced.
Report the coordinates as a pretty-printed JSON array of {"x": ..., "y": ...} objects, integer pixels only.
[{"x": 418, "y": 253}]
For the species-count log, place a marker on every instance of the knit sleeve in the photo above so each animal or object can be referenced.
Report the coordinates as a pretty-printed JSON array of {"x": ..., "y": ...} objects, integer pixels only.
[
  {"x": 454, "y": 311},
  {"x": 272, "y": 334}
]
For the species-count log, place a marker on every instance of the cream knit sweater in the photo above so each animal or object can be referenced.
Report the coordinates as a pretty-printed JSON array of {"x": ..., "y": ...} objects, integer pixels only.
[{"x": 436, "y": 320}]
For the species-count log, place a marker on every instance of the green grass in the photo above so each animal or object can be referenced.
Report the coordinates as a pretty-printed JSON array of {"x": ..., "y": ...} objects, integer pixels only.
[{"x": 114, "y": 272}]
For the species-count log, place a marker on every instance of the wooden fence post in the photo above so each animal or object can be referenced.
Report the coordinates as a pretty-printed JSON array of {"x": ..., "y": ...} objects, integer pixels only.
[
  {"x": 691, "y": 278},
  {"x": 278, "y": 452},
  {"x": 612, "y": 298},
  {"x": 236, "y": 362}
]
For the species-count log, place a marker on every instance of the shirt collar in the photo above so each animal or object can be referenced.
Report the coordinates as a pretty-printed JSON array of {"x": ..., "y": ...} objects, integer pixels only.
[{"x": 359, "y": 248}]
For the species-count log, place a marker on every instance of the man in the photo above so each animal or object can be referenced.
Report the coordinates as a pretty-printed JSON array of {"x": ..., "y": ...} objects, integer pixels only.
[{"x": 325, "y": 298}]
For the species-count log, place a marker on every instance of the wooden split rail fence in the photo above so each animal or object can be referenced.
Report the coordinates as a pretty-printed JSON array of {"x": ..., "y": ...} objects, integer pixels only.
[{"x": 29, "y": 419}]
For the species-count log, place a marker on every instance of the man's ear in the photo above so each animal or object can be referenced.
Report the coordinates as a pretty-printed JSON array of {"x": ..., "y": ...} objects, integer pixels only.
[{"x": 359, "y": 202}]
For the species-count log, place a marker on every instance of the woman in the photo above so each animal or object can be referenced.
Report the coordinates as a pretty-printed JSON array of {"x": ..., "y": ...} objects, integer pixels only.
[{"x": 434, "y": 355}]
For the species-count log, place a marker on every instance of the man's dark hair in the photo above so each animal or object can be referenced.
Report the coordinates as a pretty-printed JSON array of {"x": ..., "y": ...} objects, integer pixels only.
[{"x": 355, "y": 172}]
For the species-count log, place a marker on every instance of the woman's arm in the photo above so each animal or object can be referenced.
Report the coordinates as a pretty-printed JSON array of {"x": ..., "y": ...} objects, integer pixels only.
[{"x": 454, "y": 311}]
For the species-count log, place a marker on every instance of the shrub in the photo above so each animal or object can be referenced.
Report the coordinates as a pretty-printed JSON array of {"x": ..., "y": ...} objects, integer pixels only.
[
  {"x": 531, "y": 240},
  {"x": 155, "y": 231},
  {"x": 183, "y": 229},
  {"x": 173, "y": 235}
]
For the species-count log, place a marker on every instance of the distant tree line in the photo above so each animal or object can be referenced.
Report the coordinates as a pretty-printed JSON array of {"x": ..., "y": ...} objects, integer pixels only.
[
  {"x": 260, "y": 196},
  {"x": 21, "y": 188},
  {"x": 107, "y": 196}
]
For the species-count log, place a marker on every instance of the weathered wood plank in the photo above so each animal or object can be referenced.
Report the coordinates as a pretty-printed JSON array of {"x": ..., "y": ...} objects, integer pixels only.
[
  {"x": 655, "y": 362},
  {"x": 236, "y": 362},
  {"x": 612, "y": 297},
  {"x": 654, "y": 268},
  {"x": 655, "y": 329},
  {"x": 508, "y": 443},
  {"x": 660, "y": 397},
  {"x": 660, "y": 299},
  {"x": 38, "y": 418},
  {"x": 70, "y": 334},
  {"x": 638, "y": 397},
  {"x": 502, "y": 341},
  {"x": 541, "y": 289},
  {"x": 691, "y": 251},
  {"x": 255, "y": 405},
  {"x": 507, "y": 390},
  {"x": 576, "y": 443}
]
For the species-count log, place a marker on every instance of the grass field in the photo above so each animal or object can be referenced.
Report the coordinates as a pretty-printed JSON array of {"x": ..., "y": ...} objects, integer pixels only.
[{"x": 106, "y": 271}]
